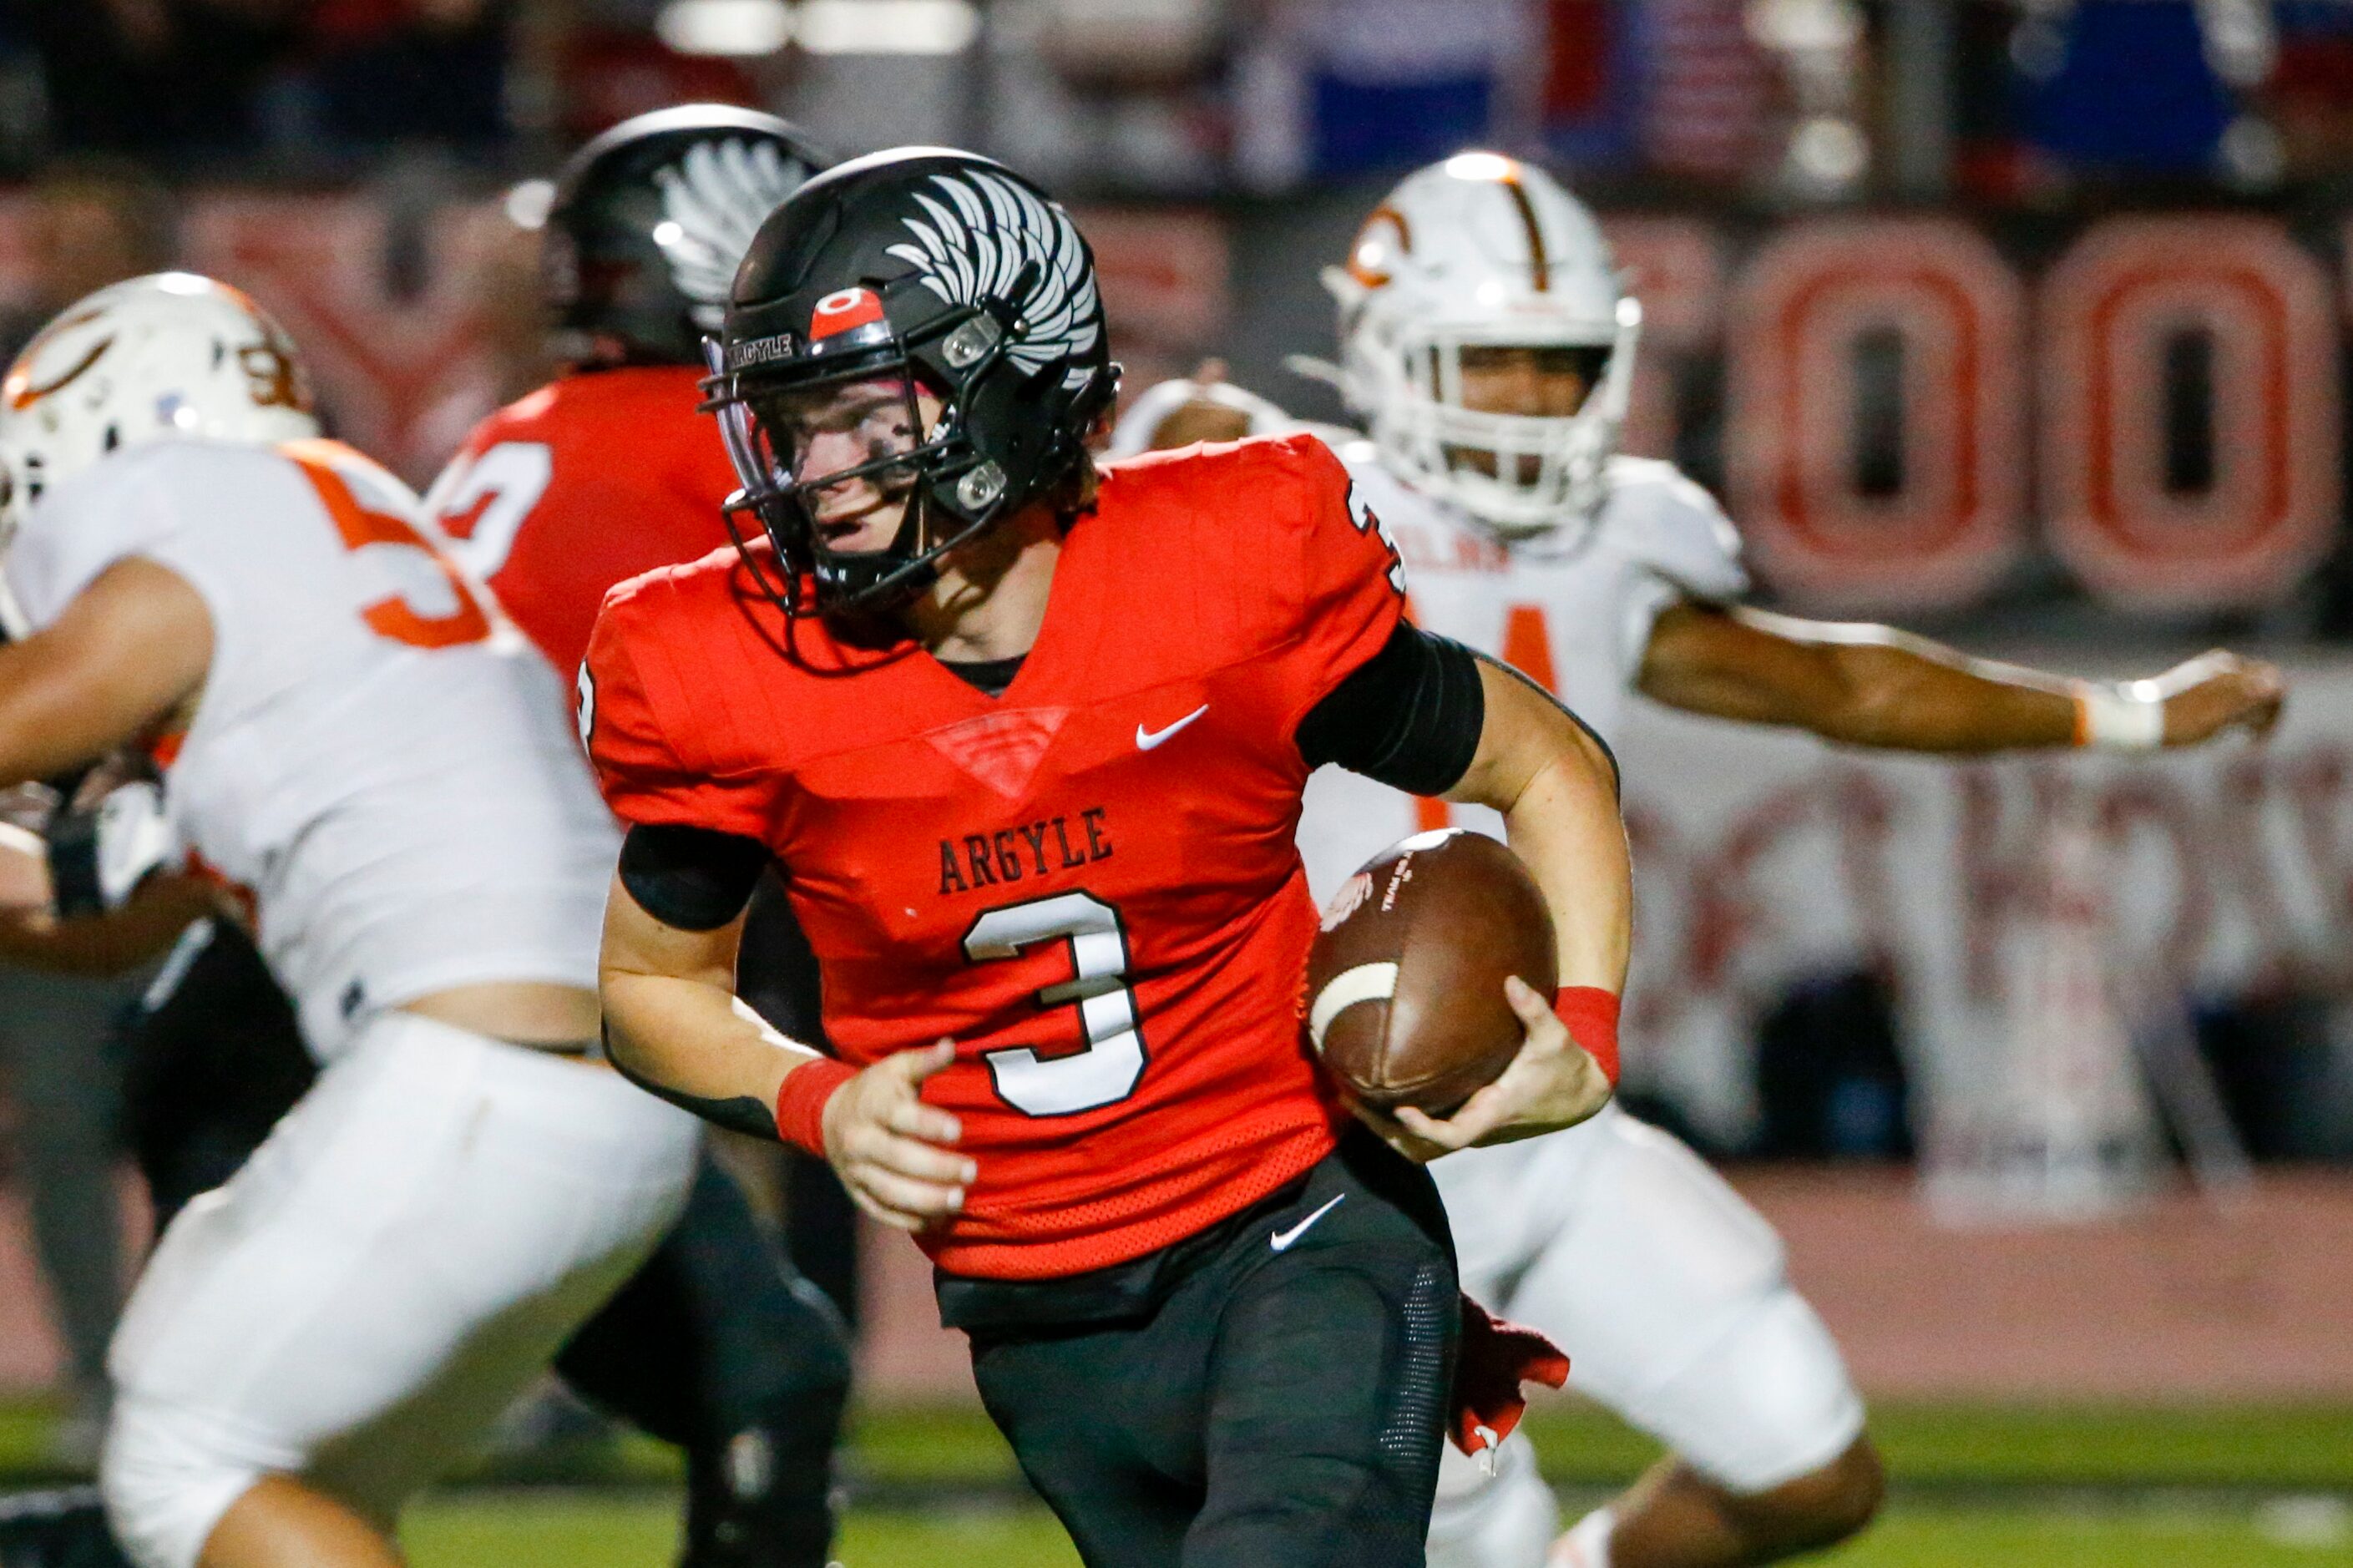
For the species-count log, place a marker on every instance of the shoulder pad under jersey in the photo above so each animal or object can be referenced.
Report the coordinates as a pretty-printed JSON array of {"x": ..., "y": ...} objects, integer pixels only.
[
  {"x": 1658, "y": 516},
  {"x": 1374, "y": 482}
]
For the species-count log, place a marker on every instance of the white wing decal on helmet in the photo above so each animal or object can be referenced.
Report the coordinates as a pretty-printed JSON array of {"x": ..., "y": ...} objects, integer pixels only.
[
  {"x": 718, "y": 195},
  {"x": 986, "y": 233}
]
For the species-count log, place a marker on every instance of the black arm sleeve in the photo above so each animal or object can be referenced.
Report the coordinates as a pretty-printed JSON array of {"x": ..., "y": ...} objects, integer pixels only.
[
  {"x": 1410, "y": 716},
  {"x": 695, "y": 878}
]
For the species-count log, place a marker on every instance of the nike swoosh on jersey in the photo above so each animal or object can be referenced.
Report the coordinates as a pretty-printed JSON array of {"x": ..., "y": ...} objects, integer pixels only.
[
  {"x": 1147, "y": 739},
  {"x": 1281, "y": 1239}
]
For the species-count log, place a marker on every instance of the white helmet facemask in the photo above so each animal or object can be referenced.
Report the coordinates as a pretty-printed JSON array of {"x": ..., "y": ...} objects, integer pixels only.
[
  {"x": 1484, "y": 252},
  {"x": 170, "y": 356}
]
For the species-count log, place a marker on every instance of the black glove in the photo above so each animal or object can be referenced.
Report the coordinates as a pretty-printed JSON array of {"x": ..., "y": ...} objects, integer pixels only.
[{"x": 113, "y": 831}]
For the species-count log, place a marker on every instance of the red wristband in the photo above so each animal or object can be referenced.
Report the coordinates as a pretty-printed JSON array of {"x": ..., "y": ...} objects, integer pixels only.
[
  {"x": 1591, "y": 1015},
  {"x": 800, "y": 1103}
]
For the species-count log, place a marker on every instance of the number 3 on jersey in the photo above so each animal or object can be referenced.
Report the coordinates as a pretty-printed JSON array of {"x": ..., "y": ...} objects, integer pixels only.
[
  {"x": 1105, "y": 1072},
  {"x": 393, "y": 616}
]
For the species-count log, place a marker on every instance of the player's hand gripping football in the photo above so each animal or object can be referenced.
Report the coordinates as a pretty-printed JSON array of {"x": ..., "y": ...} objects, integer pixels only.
[
  {"x": 2219, "y": 691},
  {"x": 1553, "y": 1083},
  {"x": 890, "y": 1149}
]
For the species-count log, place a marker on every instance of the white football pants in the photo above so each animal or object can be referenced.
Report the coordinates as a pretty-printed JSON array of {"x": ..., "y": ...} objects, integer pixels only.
[
  {"x": 1666, "y": 1290},
  {"x": 403, "y": 1255}
]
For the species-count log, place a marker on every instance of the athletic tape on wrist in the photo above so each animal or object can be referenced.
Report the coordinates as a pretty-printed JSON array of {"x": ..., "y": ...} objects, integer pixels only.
[
  {"x": 1591, "y": 1015},
  {"x": 135, "y": 840},
  {"x": 801, "y": 1103},
  {"x": 2124, "y": 716},
  {"x": 99, "y": 854}
]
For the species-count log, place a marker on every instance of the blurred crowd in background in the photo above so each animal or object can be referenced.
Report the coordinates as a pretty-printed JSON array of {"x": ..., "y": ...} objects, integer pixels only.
[{"x": 1999, "y": 101}]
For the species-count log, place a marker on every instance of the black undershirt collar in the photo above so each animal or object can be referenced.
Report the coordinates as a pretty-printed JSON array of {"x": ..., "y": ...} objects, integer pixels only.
[{"x": 990, "y": 675}]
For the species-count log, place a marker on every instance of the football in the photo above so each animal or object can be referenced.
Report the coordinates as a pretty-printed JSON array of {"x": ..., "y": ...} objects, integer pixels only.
[{"x": 1404, "y": 982}]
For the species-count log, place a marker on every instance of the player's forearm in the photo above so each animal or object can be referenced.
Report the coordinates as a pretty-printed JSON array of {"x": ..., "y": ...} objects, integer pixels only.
[
  {"x": 1909, "y": 695},
  {"x": 111, "y": 943},
  {"x": 1858, "y": 684},
  {"x": 39, "y": 740},
  {"x": 693, "y": 1043},
  {"x": 1874, "y": 686},
  {"x": 48, "y": 725},
  {"x": 1923, "y": 698},
  {"x": 672, "y": 1023},
  {"x": 1575, "y": 846},
  {"x": 1557, "y": 791},
  {"x": 125, "y": 654}
]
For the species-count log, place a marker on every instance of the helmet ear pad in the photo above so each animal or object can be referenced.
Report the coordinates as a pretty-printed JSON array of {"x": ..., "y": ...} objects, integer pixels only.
[{"x": 1024, "y": 434}]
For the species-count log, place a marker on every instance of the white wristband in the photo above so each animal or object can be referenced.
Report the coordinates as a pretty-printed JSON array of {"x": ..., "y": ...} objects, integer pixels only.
[{"x": 2128, "y": 716}]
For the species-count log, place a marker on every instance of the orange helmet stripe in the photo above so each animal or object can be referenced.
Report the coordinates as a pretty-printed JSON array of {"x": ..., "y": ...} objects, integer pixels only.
[
  {"x": 19, "y": 388},
  {"x": 1397, "y": 220},
  {"x": 1539, "y": 264}
]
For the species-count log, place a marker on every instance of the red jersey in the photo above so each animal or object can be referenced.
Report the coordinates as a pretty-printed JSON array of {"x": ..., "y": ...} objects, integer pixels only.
[
  {"x": 588, "y": 481},
  {"x": 1089, "y": 883}
]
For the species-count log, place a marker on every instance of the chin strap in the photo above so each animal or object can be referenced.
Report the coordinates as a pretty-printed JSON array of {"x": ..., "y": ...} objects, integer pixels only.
[{"x": 787, "y": 599}]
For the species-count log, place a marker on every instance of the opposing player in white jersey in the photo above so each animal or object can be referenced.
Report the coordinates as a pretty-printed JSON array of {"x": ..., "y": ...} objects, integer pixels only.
[
  {"x": 1489, "y": 346},
  {"x": 357, "y": 744}
]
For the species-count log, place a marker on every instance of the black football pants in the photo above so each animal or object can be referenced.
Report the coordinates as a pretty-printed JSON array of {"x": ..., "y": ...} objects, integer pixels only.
[{"x": 1276, "y": 1407}]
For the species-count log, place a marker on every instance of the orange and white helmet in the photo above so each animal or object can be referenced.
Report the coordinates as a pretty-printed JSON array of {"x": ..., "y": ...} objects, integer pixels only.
[
  {"x": 1484, "y": 251},
  {"x": 168, "y": 355}
]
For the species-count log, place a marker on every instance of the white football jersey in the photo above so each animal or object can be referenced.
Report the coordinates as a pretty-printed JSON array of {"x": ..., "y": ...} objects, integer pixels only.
[
  {"x": 377, "y": 760},
  {"x": 1574, "y": 610}
]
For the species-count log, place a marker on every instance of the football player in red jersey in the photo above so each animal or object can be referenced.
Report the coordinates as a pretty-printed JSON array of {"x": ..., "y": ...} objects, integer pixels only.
[
  {"x": 1027, "y": 743},
  {"x": 715, "y": 1346},
  {"x": 643, "y": 231}
]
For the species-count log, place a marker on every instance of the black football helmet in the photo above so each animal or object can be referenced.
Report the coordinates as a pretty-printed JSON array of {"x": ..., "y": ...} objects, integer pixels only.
[
  {"x": 647, "y": 222},
  {"x": 927, "y": 266}
]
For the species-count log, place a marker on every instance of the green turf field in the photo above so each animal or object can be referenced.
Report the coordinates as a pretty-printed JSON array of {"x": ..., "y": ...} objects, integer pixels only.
[
  {"x": 588, "y": 1531},
  {"x": 2059, "y": 1486},
  {"x": 2282, "y": 1447},
  {"x": 1976, "y": 1486},
  {"x": 2277, "y": 1446},
  {"x": 572, "y": 1531}
]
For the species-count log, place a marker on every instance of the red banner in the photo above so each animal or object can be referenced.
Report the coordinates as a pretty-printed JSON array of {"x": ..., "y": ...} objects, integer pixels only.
[
  {"x": 1898, "y": 409},
  {"x": 1945, "y": 518},
  {"x": 2260, "y": 504}
]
